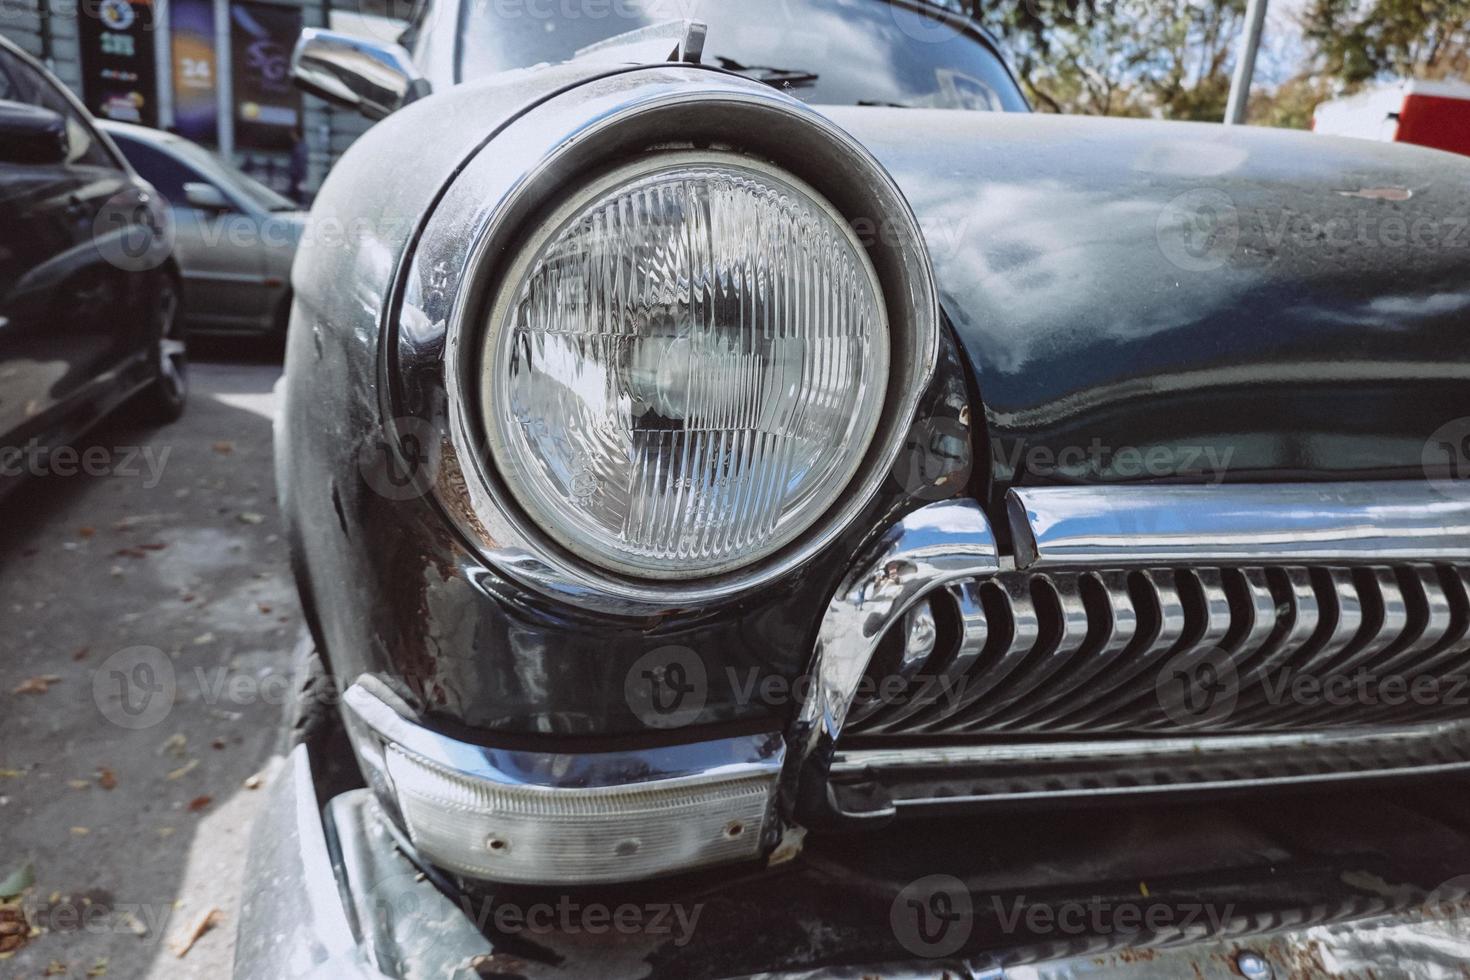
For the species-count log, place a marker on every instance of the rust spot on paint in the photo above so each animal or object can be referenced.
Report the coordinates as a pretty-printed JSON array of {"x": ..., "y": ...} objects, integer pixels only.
[{"x": 1380, "y": 193}]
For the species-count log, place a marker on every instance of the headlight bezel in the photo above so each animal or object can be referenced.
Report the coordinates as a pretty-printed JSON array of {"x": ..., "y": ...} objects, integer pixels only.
[
  {"x": 495, "y": 399},
  {"x": 485, "y": 214}
]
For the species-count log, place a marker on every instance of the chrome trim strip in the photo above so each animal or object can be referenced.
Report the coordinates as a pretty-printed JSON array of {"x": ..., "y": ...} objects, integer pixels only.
[
  {"x": 690, "y": 764},
  {"x": 858, "y": 761},
  {"x": 918, "y": 778},
  {"x": 1294, "y": 522},
  {"x": 934, "y": 545}
]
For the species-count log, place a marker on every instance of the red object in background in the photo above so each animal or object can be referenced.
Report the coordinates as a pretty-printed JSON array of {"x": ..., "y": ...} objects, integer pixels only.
[{"x": 1437, "y": 121}]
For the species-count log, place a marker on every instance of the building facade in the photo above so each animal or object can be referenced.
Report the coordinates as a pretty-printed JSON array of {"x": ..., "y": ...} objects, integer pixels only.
[{"x": 215, "y": 71}]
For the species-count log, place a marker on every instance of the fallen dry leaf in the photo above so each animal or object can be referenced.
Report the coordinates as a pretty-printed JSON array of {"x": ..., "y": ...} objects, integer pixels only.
[
  {"x": 206, "y": 922},
  {"x": 36, "y": 685},
  {"x": 79, "y": 784},
  {"x": 184, "y": 770},
  {"x": 199, "y": 803},
  {"x": 81, "y": 654},
  {"x": 134, "y": 924},
  {"x": 11, "y": 773},
  {"x": 106, "y": 778},
  {"x": 175, "y": 743},
  {"x": 99, "y": 968},
  {"x": 80, "y": 831},
  {"x": 86, "y": 532},
  {"x": 224, "y": 448},
  {"x": 15, "y": 931},
  {"x": 56, "y": 968}
]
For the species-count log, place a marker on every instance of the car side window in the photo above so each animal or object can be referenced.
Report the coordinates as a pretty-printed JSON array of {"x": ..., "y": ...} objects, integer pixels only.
[
  {"x": 10, "y": 90},
  {"x": 167, "y": 174},
  {"x": 29, "y": 85}
]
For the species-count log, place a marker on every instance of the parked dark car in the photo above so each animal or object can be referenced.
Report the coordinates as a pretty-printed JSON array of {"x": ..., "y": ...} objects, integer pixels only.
[
  {"x": 88, "y": 297},
  {"x": 234, "y": 238},
  {"x": 728, "y": 474}
]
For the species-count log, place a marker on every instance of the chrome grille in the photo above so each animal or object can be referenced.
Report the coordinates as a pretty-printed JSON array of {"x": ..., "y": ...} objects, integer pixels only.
[{"x": 1081, "y": 652}]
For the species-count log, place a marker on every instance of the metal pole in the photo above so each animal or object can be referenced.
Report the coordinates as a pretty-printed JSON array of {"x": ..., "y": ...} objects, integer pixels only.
[
  {"x": 1245, "y": 65},
  {"x": 223, "y": 80},
  {"x": 163, "y": 63}
]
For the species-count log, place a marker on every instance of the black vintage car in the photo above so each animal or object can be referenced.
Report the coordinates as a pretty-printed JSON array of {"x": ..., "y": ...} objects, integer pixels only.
[
  {"x": 750, "y": 470},
  {"x": 88, "y": 292}
]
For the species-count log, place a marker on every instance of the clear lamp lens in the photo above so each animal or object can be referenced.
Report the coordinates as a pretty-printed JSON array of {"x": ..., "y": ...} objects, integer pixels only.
[{"x": 686, "y": 367}]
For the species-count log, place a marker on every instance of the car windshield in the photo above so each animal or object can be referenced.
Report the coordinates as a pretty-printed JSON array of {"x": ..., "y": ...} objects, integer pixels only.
[{"x": 830, "y": 52}]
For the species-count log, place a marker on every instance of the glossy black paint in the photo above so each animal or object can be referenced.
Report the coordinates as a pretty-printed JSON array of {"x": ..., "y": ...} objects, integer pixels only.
[
  {"x": 1052, "y": 240},
  {"x": 1315, "y": 326},
  {"x": 77, "y": 331}
]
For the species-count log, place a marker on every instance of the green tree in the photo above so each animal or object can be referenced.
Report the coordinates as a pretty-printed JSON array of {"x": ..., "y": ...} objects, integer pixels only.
[
  {"x": 1356, "y": 41},
  {"x": 1169, "y": 58}
]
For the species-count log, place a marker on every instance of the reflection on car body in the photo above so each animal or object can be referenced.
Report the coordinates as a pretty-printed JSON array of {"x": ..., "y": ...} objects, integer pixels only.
[
  {"x": 668, "y": 311},
  {"x": 88, "y": 293}
]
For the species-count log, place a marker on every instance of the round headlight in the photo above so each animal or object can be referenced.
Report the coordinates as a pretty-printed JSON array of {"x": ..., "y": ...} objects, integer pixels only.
[{"x": 685, "y": 366}]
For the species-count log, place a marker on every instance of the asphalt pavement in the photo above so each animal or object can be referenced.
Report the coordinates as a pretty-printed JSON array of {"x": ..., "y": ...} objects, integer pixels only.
[{"x": 148, "y": 614}]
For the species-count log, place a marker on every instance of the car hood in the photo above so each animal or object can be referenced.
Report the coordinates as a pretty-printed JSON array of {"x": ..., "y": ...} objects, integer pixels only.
[{"x": 1142, "y": 299}]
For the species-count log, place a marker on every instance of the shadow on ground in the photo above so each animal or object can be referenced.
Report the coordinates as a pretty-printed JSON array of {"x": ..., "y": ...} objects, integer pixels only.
[{"x": 148, "y": 618}]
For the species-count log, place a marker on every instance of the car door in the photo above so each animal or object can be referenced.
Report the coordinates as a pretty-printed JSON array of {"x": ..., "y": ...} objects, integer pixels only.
[
  {"x": 219, "y": 251},
  {"x": 72, "y": 310}
]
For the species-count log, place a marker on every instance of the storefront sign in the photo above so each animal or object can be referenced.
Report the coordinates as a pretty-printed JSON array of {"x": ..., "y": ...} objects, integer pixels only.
[
  {"x": 118, "y": 76},
  {"x": 267, "y": 104},
  {"x": 195, "y": 70}
]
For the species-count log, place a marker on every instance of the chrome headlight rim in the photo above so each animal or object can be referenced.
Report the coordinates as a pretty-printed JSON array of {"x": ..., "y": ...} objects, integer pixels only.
[
  {"x": 451, "y": 277},
  {"x": 495, "y": 400}
]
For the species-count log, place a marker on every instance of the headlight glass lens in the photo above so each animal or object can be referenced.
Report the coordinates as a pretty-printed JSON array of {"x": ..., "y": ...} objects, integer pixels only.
[{"x": 685, "y": 368}]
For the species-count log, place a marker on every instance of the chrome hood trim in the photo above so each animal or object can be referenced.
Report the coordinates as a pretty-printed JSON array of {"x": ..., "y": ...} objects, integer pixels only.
[{"x": 1293, "y": 522}]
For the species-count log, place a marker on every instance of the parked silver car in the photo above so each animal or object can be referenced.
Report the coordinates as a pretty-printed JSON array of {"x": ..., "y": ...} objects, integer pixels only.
[{"x": 234, "y": 238}]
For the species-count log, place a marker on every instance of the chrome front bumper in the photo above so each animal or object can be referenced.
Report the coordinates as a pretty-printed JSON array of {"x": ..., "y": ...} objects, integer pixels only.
[
  {"x": 561, "y": 818},
  {"x": 331, "y": 897}
]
